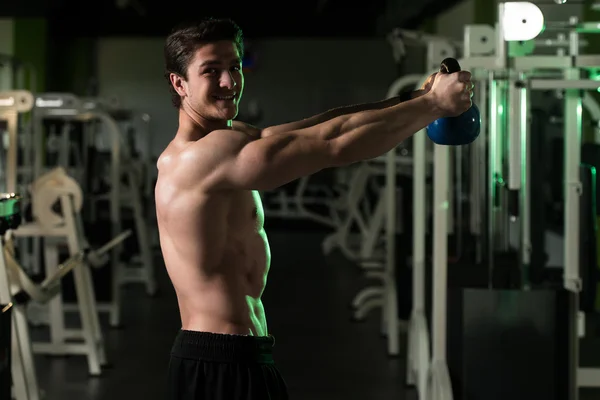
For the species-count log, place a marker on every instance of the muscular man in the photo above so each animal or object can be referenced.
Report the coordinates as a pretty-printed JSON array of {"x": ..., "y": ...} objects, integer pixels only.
[{"x": 210, "y": 216}]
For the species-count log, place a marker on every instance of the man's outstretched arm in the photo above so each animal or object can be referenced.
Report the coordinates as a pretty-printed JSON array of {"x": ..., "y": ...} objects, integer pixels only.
[
  {"x": 231, "y": 159},
  {"x": 339, "y": 111}
]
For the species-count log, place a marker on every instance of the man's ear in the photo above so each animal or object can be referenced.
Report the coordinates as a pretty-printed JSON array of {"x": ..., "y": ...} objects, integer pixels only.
[{"x": 178, "y": 84}]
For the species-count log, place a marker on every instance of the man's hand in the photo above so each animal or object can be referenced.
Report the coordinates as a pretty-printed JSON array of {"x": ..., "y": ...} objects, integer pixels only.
[{"x": 452, "y": 93}]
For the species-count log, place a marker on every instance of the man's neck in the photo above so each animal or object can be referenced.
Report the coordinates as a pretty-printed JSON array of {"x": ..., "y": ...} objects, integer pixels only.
[{"x": 193, "y": 127}]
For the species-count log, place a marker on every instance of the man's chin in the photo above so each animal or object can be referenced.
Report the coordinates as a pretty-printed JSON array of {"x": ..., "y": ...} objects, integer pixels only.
[{"x": 223, "y": 116}]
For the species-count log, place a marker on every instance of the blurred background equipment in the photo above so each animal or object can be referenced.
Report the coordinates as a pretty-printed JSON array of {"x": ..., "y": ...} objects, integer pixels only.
[{"x": 432, "y": 272}]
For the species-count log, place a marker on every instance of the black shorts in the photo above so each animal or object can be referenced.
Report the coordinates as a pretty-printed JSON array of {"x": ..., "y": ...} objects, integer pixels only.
[{"x": 211, "y": 366}]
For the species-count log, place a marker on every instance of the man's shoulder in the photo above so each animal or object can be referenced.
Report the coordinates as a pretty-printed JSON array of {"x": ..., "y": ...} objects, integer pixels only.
[
  {"x": 218, "y": 143},
  {"x": 191, "y": 162},
  {"x": 226, "y": 135}
]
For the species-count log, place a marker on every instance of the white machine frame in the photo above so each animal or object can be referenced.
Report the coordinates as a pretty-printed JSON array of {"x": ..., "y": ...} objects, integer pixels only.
[
  {"x": 69, "y": 107},
  {"x": 430, "y": 372},
  {"x": 25, "y": 386},
  {"x": 12, "y": 103},
  {"x": 130, "y": 196},
  {"x": 280, "y": 204},
  {"x": 90, "y": 334}
]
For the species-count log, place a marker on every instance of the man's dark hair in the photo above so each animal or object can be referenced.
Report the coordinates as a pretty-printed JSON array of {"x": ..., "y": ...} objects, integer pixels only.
[{"x": 186, "y": 38}]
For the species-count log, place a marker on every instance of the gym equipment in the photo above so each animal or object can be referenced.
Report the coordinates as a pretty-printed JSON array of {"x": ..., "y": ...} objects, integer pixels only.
[
  {"x": 436, "y": 46},
  {"x": 314, "y": 198},
  {"x": 17, "y": 170},
  {"x": 50, "y": 188},
  {"x": 455, "y": 131},
  {"x": 488, "y": 60},
  {"x": 359, "y": 234},
  {"x": 50, "y": 286},
  {"x": 135, "y": 187},
  {"x": 68, "y": 107},
  {"x": 511, "y": 343},
  {"x": 47, "y": 187},
  {"x": 12, "y": 104},
  {"x": 18, "y": 288},
  {"x": 23, "y": 375},
  {"x": 356, "y": 215}
]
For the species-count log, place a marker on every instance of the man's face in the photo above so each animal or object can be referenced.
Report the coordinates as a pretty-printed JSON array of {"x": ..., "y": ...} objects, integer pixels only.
[{"x": 215, "y": 81}]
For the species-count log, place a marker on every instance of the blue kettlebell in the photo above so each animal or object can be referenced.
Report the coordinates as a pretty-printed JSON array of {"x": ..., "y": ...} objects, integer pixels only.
[{"x": 455, "y": 131}]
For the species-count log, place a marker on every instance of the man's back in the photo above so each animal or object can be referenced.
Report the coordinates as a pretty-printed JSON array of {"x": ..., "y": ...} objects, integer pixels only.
[{"x": 214, "y": 246}]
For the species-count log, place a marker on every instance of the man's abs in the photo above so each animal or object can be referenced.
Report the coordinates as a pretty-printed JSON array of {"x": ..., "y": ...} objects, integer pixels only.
[
  {"x": 217, "y": 257},
  {"x": 215, "y": 309}
]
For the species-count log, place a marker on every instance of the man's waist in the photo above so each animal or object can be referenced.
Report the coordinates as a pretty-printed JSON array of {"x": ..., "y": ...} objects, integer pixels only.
[
  {"x": 223, "y": 315},
  {"x": 210, "y": 346}
]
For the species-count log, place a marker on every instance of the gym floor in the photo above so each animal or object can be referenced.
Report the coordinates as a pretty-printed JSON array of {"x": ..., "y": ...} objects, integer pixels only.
[{"x": 320, "y": 351}]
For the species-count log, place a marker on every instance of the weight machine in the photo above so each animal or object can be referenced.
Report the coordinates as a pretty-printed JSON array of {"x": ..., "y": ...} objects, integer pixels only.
[
  {"x": 18, "y": 290},
  {"x": 69, "y": 108},
  {"x": 137, "y": 139},
  {"x": 23, "y": 374},
  {"x": 308, "y": 201},
  {"x": 359, "y": 234},
  {"x": 22, "y": 367},
  {"x": 16, "y": 287},
  {"x": 502, "y": 75},
  {"x": 133, "y": 188}
]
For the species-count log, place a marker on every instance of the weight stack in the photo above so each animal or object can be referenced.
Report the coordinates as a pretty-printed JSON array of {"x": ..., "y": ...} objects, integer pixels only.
[
  {"x": 5, "y": 346},
  {"x": 511, "y": 344}
]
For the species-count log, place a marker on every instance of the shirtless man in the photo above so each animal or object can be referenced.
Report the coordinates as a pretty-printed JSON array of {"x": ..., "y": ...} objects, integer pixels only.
[{"x": 210, "y": 216}]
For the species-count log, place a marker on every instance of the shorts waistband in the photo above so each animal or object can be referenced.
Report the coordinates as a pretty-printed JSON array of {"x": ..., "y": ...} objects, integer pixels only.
[{"x": 220, "y": 347}]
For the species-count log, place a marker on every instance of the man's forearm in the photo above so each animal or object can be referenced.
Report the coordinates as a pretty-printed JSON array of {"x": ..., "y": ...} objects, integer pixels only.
[
  {"x": 378, "y": 105},
  {"x": 345, "y": 110},
  {"x": 372, "y": 133}
]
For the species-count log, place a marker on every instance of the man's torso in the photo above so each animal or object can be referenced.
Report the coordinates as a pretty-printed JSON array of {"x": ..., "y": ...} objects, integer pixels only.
[{"x": 215, "y": 250}]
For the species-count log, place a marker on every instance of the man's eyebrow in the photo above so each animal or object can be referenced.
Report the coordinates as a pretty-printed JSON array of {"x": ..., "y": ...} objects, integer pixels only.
[
  {"x": 210, "y": 62},
  {"x": 216, "y": 62}
]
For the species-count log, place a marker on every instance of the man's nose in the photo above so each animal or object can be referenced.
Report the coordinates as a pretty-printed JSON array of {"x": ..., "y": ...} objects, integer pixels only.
[{"x": 227, "y": 80}]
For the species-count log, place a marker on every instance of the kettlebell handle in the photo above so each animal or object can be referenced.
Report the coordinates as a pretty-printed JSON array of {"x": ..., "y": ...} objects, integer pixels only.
[{"x": 449, "y": 66}]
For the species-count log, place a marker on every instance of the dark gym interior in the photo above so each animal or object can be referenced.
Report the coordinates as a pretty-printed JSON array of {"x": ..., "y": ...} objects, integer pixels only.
[{"x": 462, "y": 264}]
